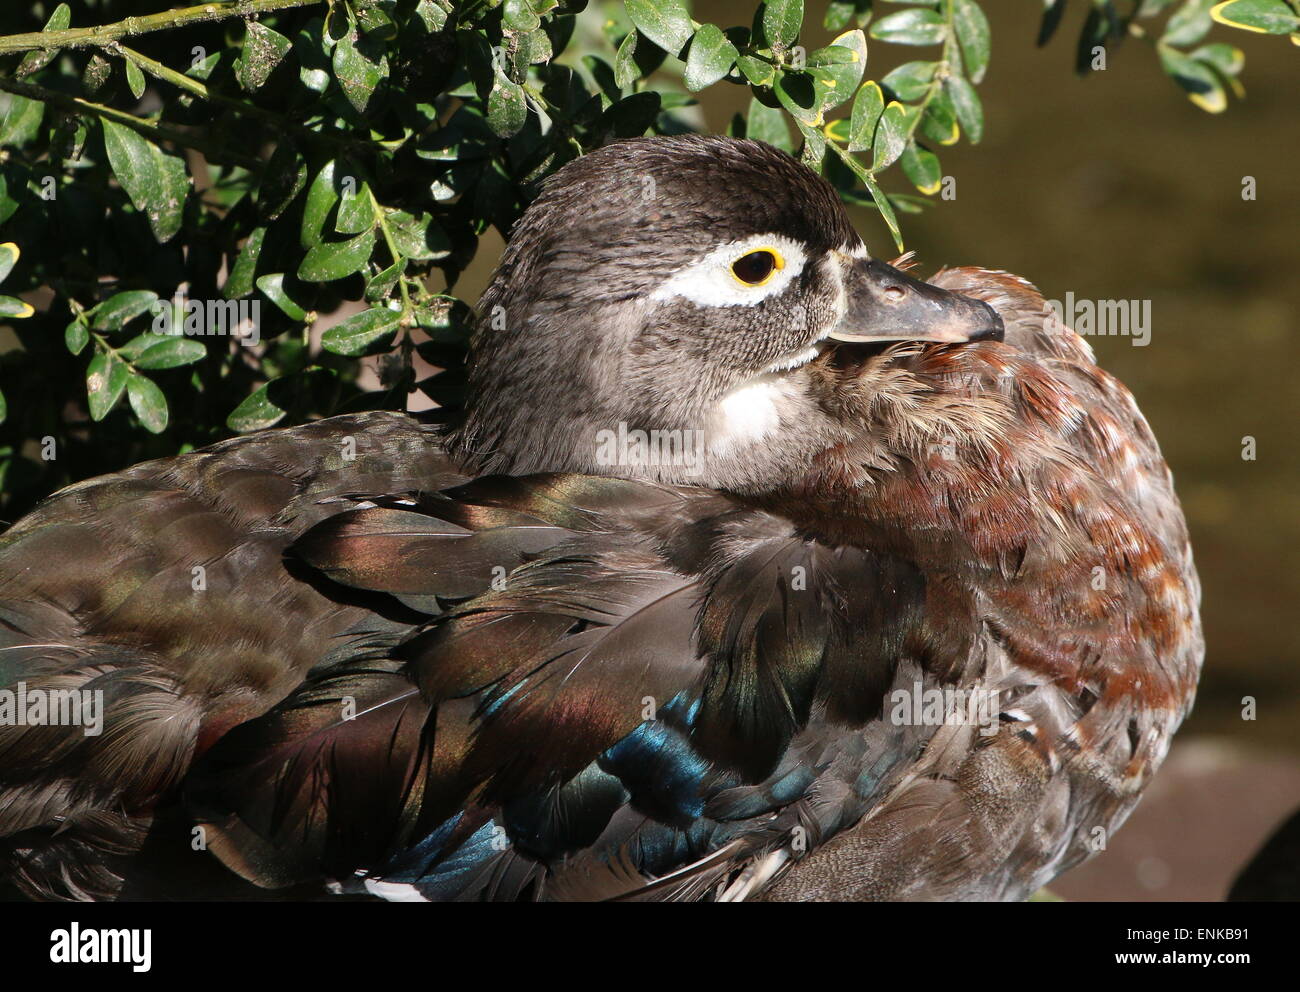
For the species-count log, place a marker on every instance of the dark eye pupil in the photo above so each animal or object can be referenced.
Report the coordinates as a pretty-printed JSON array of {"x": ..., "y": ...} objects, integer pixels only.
[{"x": 754, "y": 267}]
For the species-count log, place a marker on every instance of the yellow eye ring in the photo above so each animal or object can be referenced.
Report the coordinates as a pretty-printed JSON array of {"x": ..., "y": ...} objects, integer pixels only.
[{"x": 756, "y": 267}]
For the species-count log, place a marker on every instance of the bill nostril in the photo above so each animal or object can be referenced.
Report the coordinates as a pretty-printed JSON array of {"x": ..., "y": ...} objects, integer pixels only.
[{"x": 894, "y": 294}]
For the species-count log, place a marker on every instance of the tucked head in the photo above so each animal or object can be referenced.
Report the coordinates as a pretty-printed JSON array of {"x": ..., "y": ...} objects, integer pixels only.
[{"x": 658, "y": 306}]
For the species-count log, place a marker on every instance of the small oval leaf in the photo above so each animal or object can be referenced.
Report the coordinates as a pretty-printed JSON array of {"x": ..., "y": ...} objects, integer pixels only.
[
  {"x": 170, "y": 352},
  {"x": 148, "y": 402},
  {"x": 360, "y": 332},
  {"x": 336, "y": 260}
]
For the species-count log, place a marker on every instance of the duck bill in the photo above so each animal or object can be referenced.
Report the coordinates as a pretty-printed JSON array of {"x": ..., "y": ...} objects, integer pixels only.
[{"x": 886, "y": 304}]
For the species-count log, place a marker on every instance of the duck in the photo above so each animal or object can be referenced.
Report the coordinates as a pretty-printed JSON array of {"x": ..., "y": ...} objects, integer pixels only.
[{"x": 753, "y": 568}]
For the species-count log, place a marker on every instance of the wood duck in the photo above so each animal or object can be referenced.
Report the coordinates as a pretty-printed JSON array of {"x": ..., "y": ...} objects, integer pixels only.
[{"x": 689, "y": 603}]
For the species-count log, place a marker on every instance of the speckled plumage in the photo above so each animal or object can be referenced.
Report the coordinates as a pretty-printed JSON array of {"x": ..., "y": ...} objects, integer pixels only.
[{"x": 400, "y": 680}]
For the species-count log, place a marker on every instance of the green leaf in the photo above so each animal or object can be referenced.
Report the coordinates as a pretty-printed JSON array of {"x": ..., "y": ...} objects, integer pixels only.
[
  {"x": 380, "y": 286},
  {"x": 886, "y": 211},
  {"x": 517, "y": 15},
  {"x": 843, "y": 61},
  {"x": 966, "y": 105},
  {"x": 939, "y": 120},
  {"x": 533, "y": 48},
  {"x": 917, "y": 26},
  {"x": 782, "y": 20},
  {"x": 282, "y": 181},
  {"x": 431, "y": 15},
  {"x": 21, "y": 121},
  {"x": 973, "y": 36},
  {"x": 335, "y": 260},
  {"x": 711, "y": 57},
  {"x": 272, "y": 286},
  {"x": 357, "y": 71},
  {"x": 507, "y": 109},
  {"x": 632, "y": 115},
  {"x": 240, "y": 281},
  {"x": 11, "y": 306},
  {"x": 148, "y": 402},
  {"x": 256, "y": 413},
  {"x": 76, "y": 336},
  {"x": 813, "y": 152},
  {"x": 34, "y": 61},
  {"x": 757, "y": 71},
  {"x": 262, "y": 52},
  {"x": 798, "y": 94},
  {"x": 134, "y": 79},
  {"x": 1261, "y": 16},
  {"x": 156, "y": 183},
  {"x": 1228, "y": 59},
  {"x": 139, "y": 344},
  {"x": 921, "y": 166},
  {"x": 171, "y": 351},
  {"x": 867, "y": 108},
  {"x": 419, "y": 238},
  {"x": 910, "y": 80},
  {"x": 321, "y": 197},
  {"x": 1053, "y": 10},
  {"x": 119, "y": 308},
  {"x": 881, "y": 202},
  {"x": 313, "y": 64},
  {"x": 361, "y": 332},
  {"x": 1199, "y": 82},
  {"x": 445, "y": 321},
  {"x": 9, "y": 255},
  {"x": 1189, "y": 24},
  {"x": 890, "y": 138},
  {"x": 665, "y": 22},
  {"x": 105, "y": 380},
  {"x": 838, "y": 131},
  {"x": 626, "y": 71},
  {"x": 356, "y": 209},
  {"x": 768, "y": 124},
  {"x": 839, "y": 13},
  {"x": 9, "y": 202}
]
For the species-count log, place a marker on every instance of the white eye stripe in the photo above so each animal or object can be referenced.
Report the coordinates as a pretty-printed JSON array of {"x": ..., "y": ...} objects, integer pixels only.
[{"x": 709, "y": 282}]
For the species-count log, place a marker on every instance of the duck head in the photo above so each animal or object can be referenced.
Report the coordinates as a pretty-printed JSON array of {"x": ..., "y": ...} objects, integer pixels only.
[{"x": 667, "y": 309}]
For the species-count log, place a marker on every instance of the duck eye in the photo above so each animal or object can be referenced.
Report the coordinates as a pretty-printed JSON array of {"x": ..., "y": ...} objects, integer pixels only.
[{"x": 757, "y": 267}]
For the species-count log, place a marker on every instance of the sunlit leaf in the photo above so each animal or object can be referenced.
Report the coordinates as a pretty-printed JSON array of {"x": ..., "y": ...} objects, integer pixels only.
[
  {"x": 148, "y": 402},
  {"x": 105, "y": 382},
  {"x": 665, "y": 22},
  {"x": 361, "y": 332},
  {"x": 337, "y": 259},
  {"x": 867, "y": 108},
  {"x": 710, "y": 58},
  {"x": 122, "y": 307},
  {"x": 782, "y": 20},
  {"x": 974, "y": 37},
  {"x": 916, "y": 26},
  {"x": 156, "y": 182}
]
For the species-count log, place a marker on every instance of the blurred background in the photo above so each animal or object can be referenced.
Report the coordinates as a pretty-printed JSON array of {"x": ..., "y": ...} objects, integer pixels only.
[{"x": 1115, "y": 186}]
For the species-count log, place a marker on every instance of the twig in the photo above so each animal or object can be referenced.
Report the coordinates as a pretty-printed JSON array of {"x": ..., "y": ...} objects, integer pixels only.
[
  {"x": 191, "y": 85},
  {"x": 154, "y": 132},
  {"x": 105, "y": 34}
]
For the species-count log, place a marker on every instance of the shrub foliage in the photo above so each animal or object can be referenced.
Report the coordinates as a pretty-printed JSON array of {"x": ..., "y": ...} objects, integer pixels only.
[{"x": 167, "y": 175}]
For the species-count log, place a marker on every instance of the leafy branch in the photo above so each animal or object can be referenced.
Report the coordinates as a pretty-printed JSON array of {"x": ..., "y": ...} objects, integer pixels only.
[
  {"x": 107, "y": 34},
  {"x": 317, "y": 154}
]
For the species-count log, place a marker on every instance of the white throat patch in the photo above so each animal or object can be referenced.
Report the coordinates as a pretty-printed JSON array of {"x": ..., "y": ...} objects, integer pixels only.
[
  {"x": 708, "y": 281},
  {"x": 749, "y": 413}
]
